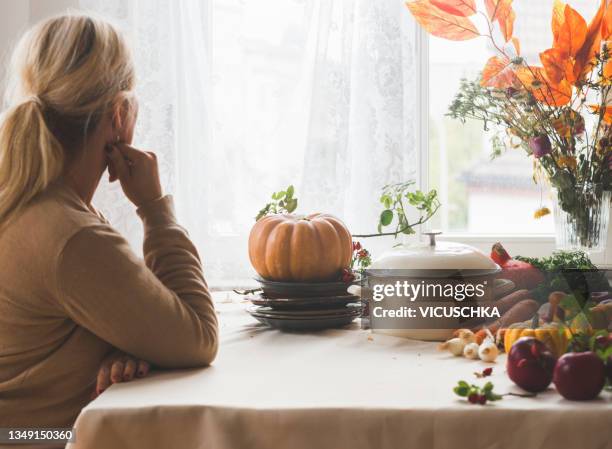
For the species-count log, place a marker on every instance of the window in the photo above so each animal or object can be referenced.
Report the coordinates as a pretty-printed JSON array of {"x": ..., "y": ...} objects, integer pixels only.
[{"x": 484, "y": 196}]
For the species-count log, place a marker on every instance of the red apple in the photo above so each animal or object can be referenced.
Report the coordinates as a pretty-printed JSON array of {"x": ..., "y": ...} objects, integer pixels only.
[
  {"x": 530, "y": 364},
  {"x": 579, "y": 376}
]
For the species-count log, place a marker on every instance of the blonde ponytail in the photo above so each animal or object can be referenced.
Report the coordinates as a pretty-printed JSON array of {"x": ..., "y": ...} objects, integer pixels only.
[
  {"x": 65, "y": 73},
  {"x": 30, "y": 157}
]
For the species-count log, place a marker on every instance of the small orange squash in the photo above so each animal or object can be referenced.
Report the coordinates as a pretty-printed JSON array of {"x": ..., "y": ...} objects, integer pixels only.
[
  {"x": 551, "y": 331},
  {"x": 554, "y": 335},
  {"x": 312, "y": 248}
]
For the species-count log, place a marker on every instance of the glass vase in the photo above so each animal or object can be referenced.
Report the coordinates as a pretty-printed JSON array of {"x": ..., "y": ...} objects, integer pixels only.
[{"x": 581, "y": 217}]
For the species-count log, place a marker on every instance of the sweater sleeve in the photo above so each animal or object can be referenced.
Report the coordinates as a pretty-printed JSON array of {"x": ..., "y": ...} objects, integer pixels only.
[{"x": 159, "y": 310}]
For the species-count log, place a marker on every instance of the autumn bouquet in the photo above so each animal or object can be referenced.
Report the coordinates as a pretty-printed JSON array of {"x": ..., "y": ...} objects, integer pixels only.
[{"x": 558, "y": 111}]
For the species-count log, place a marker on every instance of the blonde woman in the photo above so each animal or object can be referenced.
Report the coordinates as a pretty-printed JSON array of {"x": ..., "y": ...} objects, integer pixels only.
[{"x": 72, "y": 293}]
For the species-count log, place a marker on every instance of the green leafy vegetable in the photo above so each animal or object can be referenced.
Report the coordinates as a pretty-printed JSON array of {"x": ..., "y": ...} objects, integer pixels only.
[{"x": 568, "y": 271}]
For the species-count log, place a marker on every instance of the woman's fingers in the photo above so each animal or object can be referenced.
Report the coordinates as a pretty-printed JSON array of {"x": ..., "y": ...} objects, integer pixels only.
[
  {"x": 143, "y": 368},
  {"x": 129, "y": 370},
  {"x": 138, "y": 172},
  {"x": 103, "y": 380},
  {"x": 119, "y": 367},
  {"x": 117, "y": 371},
  {"x": 120, "y": 166},
  {"x": 130, "y": 152}
]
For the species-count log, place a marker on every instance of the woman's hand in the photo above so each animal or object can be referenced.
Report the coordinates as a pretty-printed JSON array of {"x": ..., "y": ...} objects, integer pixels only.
[
  {"x": 136, "y": 170},
  {"x": 119, "y": 367}
]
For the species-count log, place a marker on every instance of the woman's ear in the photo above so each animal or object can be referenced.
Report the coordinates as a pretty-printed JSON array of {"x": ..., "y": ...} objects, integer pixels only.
[
  {"x": 117, "y": 117},
  {"x": 123, "y": 119}
]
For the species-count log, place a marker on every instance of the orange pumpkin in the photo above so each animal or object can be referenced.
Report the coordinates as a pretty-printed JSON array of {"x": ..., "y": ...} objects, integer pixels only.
[{"x": 312, "y": 248}]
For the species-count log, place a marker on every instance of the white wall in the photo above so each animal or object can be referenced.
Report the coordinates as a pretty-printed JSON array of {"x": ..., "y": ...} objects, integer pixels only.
[
  {"x": 14, "y": 19},
  {"x": 17, "y": 15},
  {"x": 40, "y": 9}
]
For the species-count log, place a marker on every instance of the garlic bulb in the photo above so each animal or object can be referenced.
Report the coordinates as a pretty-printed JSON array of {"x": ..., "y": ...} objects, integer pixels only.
[
  {"x": 466, "y": 335},
  {"x": 488, "y": 351},
  {"x": 471, "y": 351},
  {"x": 454, "y": 346}
]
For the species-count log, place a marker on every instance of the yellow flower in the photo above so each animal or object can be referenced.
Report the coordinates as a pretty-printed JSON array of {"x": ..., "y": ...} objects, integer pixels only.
[
  {"x": 541, "y": 212},
  {"x": 567, "y": 162}
]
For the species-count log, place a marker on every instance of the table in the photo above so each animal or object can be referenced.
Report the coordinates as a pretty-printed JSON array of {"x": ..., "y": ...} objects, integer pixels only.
[{"x": 333, "y": 389}]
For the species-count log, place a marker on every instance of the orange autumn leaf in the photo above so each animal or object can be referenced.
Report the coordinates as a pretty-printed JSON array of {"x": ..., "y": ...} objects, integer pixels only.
[
  {"x": 463, "y": 8},
  {"x": 554, "y": 94},
  {"x": 517, "y": 45},
  {"x": 607, "y": 72},
  {"x": 501, "y": 11},
  {"x": 507, "y": 25},
  {"x": 607, "y": 114},
  {"x": 572, "y": 35},
  {"x": 585, "y": 58},
  {"x": 558, "y": 18},
  {"x": 543, "y": 89},
  {"x": 557, "y": 65},
  {"x": 440, "y": 23},
  {"x": 606, "y": 24},
  {"x": 498, "y": 73}
]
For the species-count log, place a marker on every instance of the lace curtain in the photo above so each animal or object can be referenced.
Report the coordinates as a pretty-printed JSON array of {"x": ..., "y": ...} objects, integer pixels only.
[{"x": 240, "y": 99}]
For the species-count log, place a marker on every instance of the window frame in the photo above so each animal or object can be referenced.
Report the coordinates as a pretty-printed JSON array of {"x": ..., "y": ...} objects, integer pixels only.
[{"x": 532, "y": 245}]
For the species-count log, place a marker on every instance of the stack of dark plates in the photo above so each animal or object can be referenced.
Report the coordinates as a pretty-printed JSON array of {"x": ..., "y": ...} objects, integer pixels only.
[{"x": 300, "y": 306}]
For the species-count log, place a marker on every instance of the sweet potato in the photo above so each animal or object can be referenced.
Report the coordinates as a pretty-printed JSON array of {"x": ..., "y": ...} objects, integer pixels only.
[
  {"x": 522, "y": 310},
  {"x": 507, "y": 302},
  {"x": 502, "y": 287}
]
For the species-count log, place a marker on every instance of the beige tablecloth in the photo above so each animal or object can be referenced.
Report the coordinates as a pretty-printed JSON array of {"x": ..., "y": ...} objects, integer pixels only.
[{"x": 334, "y": 389}]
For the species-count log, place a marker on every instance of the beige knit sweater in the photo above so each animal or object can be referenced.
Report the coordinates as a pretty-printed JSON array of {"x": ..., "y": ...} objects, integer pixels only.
[{"x": 71, "y": 289}]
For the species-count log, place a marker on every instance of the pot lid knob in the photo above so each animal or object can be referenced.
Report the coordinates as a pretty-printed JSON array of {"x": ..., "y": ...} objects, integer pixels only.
[{"x": 432, "y": 236}]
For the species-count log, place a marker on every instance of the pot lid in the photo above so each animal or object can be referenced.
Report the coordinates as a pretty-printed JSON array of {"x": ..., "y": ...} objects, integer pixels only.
[{"x": 435, "y": 256}]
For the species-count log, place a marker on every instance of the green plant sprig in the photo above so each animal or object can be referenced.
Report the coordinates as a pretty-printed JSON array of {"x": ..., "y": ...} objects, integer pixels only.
[
  {"x": 395, "y": 199},
  {"x": 481, "y": 395},
  {"x": 283, "y": 202}
]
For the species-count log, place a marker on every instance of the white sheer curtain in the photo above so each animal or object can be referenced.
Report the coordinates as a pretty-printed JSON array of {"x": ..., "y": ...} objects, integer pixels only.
[{"x": 241, "y": 98}]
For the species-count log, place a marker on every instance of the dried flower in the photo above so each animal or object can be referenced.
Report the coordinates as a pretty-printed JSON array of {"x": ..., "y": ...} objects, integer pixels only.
[
  {"x": 540, "y": 146},
  {"x": 567, "y": 162},
  {"x": 541, "y": 212}
]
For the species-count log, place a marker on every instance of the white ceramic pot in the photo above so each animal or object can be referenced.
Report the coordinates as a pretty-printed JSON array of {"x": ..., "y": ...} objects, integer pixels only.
[{"x": 447, "y": 259}]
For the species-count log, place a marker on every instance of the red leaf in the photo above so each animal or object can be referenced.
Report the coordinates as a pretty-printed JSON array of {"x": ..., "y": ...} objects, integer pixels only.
[
  {"x": 498, "y": 73},
  {"x": 440, "y": 23},
  {"x": 463, "y": 8}
]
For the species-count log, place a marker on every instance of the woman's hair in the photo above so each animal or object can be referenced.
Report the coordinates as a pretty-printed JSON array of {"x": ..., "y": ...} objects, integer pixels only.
[{"x": 65, "y": 73}]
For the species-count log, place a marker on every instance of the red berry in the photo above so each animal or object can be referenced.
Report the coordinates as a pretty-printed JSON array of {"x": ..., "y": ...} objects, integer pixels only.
[
  {"x": 482, "y": 399},
  {"x": 362, "y": 254},
  {"x": 487, "y": 372},
  {"x": 347, "y": 275},
  {"x": 473, "y": 398}
]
